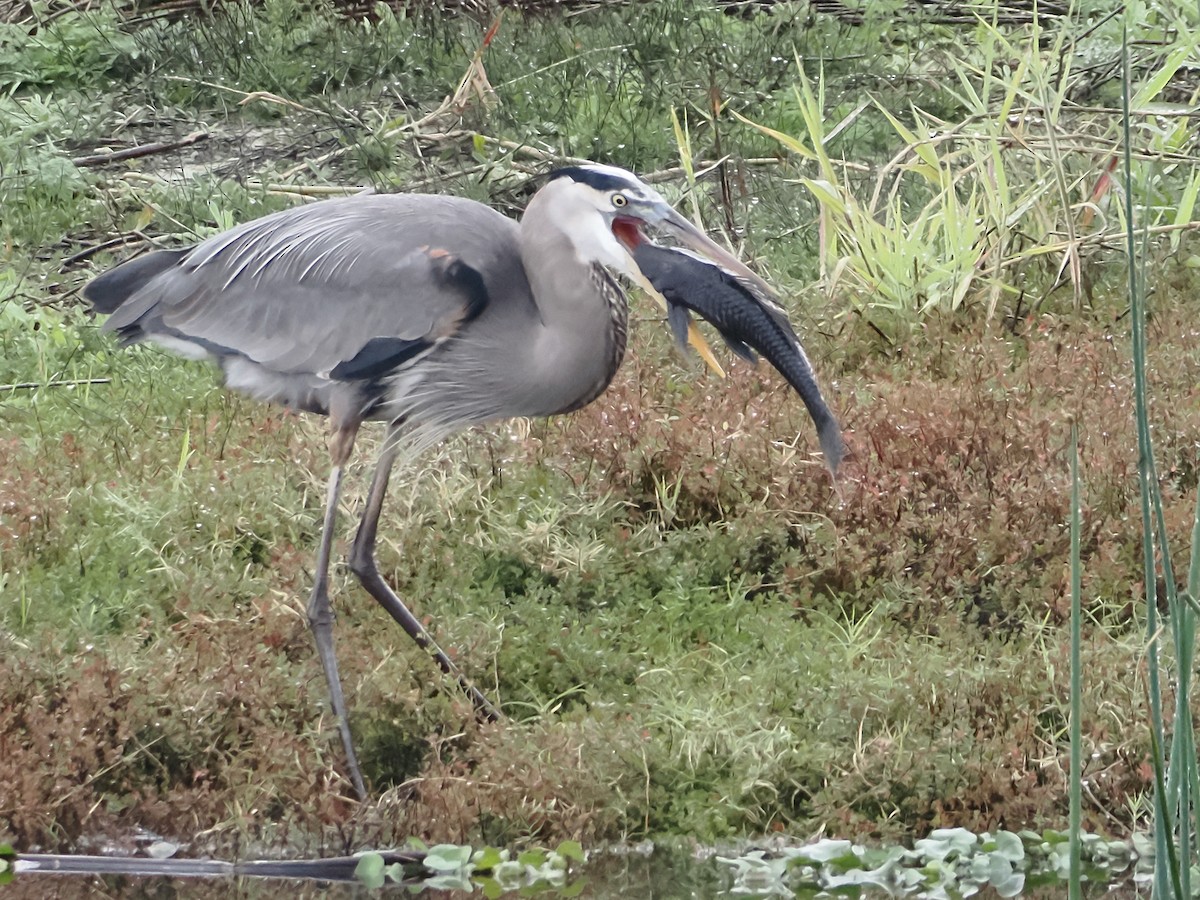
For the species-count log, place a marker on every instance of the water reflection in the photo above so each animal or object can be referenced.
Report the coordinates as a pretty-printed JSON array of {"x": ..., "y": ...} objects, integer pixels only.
[{"x": 662, "y": 875}]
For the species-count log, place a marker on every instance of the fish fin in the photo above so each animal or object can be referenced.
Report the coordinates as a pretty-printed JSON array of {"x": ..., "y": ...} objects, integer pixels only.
[
  {"x": 680, "y": 321},
  {"x": 742, "y": 349}
]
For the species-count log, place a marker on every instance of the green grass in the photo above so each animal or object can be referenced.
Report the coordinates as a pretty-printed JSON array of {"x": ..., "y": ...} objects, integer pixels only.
[
  {"x": 691, "y": 630},
  {"x": 1173, "y": 746}
]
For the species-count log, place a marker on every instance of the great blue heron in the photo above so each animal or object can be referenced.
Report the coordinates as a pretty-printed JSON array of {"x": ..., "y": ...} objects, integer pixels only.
[{"x": 434, "y": 313}]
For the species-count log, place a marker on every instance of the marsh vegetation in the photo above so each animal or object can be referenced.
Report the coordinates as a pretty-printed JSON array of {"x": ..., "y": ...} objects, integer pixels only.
[{"x": 691, "y": 629}]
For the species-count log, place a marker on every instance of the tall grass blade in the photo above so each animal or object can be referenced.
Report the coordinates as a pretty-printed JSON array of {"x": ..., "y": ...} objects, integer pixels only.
[
  {"x": 1187, "y": 653},
  {"x": 1169, "y": 877},
  {"x": 1180, "y": 761},
  {"x": 1076, "y": 788},
  {"x": 683, "y": 141},
  {"x": 1154, "y": 85},
  {"x": 1183, "y": 217},
  {"x": 795, "y": 145}
]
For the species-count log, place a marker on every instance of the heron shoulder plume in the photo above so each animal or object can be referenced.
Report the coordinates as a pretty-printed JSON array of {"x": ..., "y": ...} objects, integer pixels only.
[{"x": 434, "y": 313}]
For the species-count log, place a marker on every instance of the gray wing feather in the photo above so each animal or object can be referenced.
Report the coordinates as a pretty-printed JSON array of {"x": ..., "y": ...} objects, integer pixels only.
[{"x": 307, "y": 288}]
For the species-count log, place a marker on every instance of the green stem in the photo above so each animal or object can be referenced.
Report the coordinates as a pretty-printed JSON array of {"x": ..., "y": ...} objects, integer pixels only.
[
  {"x": 1167, "y": 879},
  {"x": 1076, "y": 787}
]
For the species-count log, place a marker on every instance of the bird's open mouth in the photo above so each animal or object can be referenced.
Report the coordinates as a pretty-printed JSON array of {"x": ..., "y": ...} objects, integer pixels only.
[{"x": 627, "y": 231}]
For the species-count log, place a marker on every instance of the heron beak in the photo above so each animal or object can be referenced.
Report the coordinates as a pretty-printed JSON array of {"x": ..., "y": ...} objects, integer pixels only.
[
  {"x": 666, "y": 218},
  {"x": 673, "y": 223}
]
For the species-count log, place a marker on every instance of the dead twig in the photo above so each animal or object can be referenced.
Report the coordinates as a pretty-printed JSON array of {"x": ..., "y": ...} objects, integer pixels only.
[
  {"x": 704, "y": 166},
  {"x": 67, "y": 382},
  {"x": 89, "y": 252},
  {"x": 100, "y": 159}
]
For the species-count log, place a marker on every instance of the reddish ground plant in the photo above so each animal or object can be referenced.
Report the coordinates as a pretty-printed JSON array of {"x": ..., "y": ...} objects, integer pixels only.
[{"x": 902, "y": 630}]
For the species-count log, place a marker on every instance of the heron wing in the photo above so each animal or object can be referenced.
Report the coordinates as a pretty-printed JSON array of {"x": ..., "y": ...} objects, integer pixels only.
[{"x": 353, "y": 286}]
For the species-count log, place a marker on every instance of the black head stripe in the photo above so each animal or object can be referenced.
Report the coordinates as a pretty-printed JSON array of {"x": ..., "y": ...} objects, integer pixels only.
[{"x": 594, "y": 178}]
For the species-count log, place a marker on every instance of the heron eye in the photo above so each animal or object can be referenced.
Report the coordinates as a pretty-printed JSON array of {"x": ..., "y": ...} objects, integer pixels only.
[{"x": 619, "y": 200}]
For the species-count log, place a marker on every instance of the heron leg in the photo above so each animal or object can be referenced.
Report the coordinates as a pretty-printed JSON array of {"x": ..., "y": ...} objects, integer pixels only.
[
  {"x": 320, "y": 613},
  {"x": 362, "y": 564}
]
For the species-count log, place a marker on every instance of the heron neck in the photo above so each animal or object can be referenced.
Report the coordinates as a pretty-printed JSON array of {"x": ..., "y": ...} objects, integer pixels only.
[{"x": 583, "y": 313}]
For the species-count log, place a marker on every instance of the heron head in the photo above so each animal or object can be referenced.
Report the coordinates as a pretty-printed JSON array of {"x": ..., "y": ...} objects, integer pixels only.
[
  {"x": 627, "y": 206},
  {"x": 601, "y": 209}
]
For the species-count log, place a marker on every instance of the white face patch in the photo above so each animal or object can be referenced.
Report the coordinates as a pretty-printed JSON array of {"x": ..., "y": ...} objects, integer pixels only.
[
  {"x": 583, "y": 214},
  {"x": 596, "y": 243}
]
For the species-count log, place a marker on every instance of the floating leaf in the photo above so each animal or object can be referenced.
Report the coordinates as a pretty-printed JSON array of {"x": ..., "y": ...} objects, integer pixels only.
[
  {"x": 369, "y": 870},
  {"x": 1010, "y": 886},
  {"x": 535, "y": 858},
  {"x": 574, "y": 889},
  {"x": 447, "y": 857},
  {"x": 571, "y": 850},
  {"x": 824, "y": 851},
  {"x": 487, "y": 858},
  {"x": 1009, "y": 846},
  {"x": 449, "y": 882}
]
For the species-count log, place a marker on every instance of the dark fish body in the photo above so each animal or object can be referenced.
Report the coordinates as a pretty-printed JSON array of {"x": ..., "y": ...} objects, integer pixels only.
[{"x": 748, "y": 321}]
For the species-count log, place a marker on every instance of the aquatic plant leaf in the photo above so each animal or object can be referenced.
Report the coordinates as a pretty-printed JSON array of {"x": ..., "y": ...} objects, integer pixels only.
[
  {"x": 450, "y": 881},
  {"x": 932, "y": 850},
  {"x": 824, "y": 851},
  {"x": 909, "y": 879},
  {"x": 959, "y": 839},
  {"x": 447, "y": 857},
  {"x": 1008, "y": 885},
  {"x": 571, "y": 850},
  {"x": 1119, "y": 850},
  {"x": 369, "y": 870},
  {"x": 1008, "y": 845},
  {"x": 509, "y": 873},
  {"x": 487, "y": 858},
  {"x": 845, "y": 863},
  {"x": 886, "y": 876},
  {"x": 1143, "y": 845},
  {"x": 875, "y": 857},
  {"x": 534, "y": 858},
  {"x": 980, "y": 868}
]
